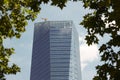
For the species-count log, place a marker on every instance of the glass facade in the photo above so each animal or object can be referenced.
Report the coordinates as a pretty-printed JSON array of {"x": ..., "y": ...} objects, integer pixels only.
[{"x": 55, "y": 51}]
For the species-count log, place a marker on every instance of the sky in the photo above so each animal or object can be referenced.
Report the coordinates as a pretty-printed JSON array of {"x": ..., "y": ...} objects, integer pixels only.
[{"x": 23, "y": 47}]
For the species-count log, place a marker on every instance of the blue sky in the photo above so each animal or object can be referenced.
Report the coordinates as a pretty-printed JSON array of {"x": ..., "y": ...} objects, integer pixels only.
[{"x": 23, "y": 46}]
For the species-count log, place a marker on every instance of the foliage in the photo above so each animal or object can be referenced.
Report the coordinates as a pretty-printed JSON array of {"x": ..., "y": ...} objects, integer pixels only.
[
  {"x": 105, "y": 19},
  {"x": 14, "y": 15}
]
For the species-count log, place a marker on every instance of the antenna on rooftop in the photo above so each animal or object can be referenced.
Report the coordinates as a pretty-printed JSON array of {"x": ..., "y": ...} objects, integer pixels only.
[{"x": 45, "y": 19}]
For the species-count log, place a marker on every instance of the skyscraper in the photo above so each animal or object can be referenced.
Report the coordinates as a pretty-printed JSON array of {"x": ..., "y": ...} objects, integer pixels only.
[{"x": 55, "y": 51}]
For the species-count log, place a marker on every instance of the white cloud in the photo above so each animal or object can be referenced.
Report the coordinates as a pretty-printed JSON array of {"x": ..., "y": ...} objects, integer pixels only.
[{"x": 87, "y": 53}]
